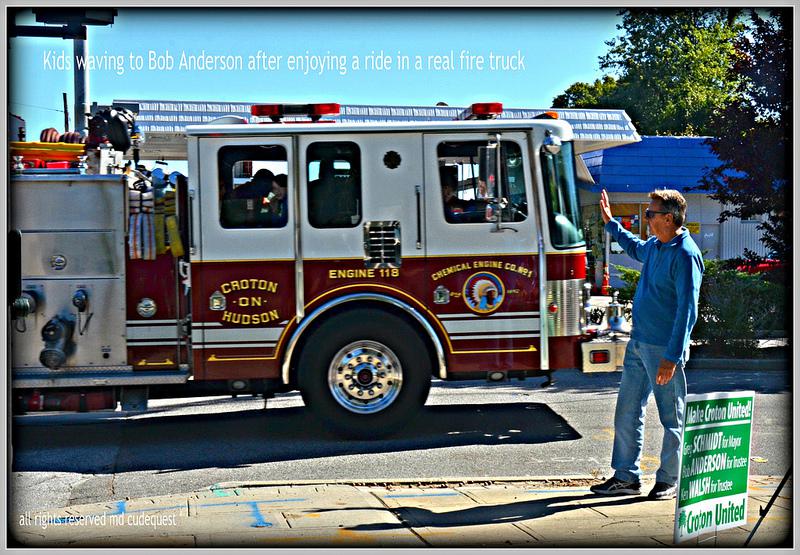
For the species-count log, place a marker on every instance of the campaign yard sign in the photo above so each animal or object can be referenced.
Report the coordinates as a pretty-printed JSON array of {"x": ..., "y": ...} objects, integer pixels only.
[{"x": 715, "y": 456}]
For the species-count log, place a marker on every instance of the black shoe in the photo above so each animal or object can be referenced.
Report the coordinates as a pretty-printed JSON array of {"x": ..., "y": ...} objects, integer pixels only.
[
  {"x": 615, "y": 486},
  {"x": 661, "y": 491}
]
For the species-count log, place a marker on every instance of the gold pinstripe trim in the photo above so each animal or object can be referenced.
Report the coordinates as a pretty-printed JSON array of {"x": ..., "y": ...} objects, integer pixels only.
[
  {"x": 277, "y": 349},
  {"x": 274, "y": 356},
  {"x": 243, "y": 260},
  {"x": 327, "y": 259},
  {"x": 215, "y": 358},
  {"x": 431, "y": 314},
  {"x": 530, "y": 349},
  {"x": 480, "y": 255}
]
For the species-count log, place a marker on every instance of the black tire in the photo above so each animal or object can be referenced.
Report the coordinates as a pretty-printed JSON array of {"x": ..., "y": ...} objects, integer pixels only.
[{"x": 368, "y": 345}]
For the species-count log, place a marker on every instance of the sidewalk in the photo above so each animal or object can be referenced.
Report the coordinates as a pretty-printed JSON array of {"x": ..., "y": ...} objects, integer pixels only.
[{"x": 513, "y": 512}]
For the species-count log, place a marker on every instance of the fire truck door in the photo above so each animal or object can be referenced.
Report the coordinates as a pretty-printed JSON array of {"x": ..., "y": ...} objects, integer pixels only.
[
  {"x": 481, "y": 274},
  {"x": 243, "y": 270},
  {"x": 354, "y": 188}
]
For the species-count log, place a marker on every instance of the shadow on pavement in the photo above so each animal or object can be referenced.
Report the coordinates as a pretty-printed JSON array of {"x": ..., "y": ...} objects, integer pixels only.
[
  {"x": 504, "y": 513},
  {"x": 492, "y": 514},
  {"x": 229, "y": 440},
  {"x": 698, "y": 381}
]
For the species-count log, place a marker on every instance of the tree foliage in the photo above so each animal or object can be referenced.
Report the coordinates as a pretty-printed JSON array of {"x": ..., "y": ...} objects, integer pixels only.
[
  {"x": 586, "y": 95},
  {"x": 752, "y": 134},
  {"x": 724, "y": 73},
  {"x": 671, "y": 67}
]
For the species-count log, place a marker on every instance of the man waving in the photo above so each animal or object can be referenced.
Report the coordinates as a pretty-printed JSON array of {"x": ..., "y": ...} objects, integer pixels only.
[{"x": 664, "y": 312}]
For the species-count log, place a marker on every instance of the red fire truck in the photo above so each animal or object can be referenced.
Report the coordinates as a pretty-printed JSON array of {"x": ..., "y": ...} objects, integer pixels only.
[{"x": 353, "y": 262}]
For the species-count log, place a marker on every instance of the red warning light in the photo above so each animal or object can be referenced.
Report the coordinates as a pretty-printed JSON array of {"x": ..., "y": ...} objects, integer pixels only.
[
  {"x": 600, "y": 357},
  {"x": 487, "y": 109},
  {"x": 278, "y": 111},
  {"x": 326, "y": 109},
  {"x": 266, "y": 110}
]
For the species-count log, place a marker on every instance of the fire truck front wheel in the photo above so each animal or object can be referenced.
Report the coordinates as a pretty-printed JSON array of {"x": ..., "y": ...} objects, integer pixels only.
[{"x": 365, "y": 373}]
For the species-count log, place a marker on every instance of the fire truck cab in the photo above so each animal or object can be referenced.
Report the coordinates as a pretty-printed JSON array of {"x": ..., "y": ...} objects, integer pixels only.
[{"x": 353, "y": 262}]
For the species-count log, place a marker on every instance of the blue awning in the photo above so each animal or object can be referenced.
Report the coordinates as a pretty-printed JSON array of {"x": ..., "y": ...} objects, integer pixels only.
[{"x": 655, "y": 162}]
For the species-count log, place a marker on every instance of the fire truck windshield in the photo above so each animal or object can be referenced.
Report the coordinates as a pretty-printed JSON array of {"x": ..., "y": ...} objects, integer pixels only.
[{"x": 563, "y": 208}]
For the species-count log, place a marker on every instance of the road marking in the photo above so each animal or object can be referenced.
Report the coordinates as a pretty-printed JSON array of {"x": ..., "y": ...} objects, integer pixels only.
[
  {"x": 243, "y": 502},
  {"x": 258, "y": 518}
]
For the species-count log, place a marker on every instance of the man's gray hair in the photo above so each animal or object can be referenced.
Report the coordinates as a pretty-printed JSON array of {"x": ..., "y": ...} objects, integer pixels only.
[{"x": 673, "y": 202}]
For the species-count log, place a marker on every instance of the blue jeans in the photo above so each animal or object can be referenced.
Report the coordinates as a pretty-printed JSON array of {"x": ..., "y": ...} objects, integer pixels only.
[{"x": 638, "y": 381}]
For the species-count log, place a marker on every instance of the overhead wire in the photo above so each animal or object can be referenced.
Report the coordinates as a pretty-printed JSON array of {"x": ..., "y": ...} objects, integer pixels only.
[{"x": 34, "y": 106}]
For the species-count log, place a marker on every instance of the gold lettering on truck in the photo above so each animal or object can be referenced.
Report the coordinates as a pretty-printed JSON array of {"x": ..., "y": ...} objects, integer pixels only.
[
  {"x": 352, "y": 273},
  {"x": 363, "y": 273},
  {"x": 245, "y": 293},
  {"x": 495, "y": 264}
]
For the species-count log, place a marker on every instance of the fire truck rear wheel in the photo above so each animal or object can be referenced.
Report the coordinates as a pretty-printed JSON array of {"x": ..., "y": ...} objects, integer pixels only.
[{"x": 365, "y": 373}]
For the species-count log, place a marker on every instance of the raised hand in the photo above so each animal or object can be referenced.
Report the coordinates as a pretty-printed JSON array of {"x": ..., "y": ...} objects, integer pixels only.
[{"x": 605, "y": 207}]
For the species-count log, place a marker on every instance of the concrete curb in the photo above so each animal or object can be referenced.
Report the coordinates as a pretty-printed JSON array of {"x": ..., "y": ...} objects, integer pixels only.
[
  {"x": 444, "y": 481},
  {"x": 738, "y": 364}
]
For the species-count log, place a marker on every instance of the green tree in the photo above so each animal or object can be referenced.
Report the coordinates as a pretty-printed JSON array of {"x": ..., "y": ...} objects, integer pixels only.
[
  {"x": 752, "y": 134},
  {"x": 671, "y": 70},
  {"x": 585, "y": 95}
]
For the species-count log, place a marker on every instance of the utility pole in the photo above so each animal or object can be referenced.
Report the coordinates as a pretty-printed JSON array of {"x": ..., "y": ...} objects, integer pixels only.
[
  {"x": 66, "y": 114},
  {"x": 80, "y": 48},
  {"x": 73, "y": 23}
]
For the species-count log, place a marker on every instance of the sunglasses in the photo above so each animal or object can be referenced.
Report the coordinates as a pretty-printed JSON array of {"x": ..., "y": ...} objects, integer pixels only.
[{"x": 648, "y": 214}]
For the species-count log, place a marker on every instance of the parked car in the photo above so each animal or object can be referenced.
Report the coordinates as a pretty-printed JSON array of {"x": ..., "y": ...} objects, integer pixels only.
[{"x": 768, "y": 263}]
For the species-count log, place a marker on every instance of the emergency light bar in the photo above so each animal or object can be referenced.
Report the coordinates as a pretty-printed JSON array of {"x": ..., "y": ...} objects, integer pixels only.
[
  {"x": 482, "y": 110},
  {"x": 277, "y": 111},
  {"x": 547, "y": 115},
  {"x": 488, "y": 109}
]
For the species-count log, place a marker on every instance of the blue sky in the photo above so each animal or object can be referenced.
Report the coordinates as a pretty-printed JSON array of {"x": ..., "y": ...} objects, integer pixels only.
[{"x": 557, "y": 47}]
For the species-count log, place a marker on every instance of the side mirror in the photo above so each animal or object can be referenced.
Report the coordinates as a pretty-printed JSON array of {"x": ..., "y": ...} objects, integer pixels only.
[
  {"x": 551, "y": 143},
  {"x": 489, "y": 157}
]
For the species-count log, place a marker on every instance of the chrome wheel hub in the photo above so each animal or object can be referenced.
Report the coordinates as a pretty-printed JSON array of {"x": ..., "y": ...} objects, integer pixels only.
[{"x": 365, "y": 377}]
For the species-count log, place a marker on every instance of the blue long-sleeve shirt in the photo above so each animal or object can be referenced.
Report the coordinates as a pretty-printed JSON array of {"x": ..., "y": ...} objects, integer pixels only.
[{"x": 665, "y": 304}]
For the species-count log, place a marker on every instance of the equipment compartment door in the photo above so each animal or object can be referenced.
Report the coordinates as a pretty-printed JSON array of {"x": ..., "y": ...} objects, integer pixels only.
[
  {"x": 244, "y": 270},
  {"x": 482, "y": 277}
]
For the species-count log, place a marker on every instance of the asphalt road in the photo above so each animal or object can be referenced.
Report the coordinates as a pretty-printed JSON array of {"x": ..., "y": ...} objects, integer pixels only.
[{"x": 467, "y": 429}]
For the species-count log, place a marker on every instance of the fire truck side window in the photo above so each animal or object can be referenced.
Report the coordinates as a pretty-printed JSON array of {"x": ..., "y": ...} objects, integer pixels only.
[
  {"x": 563, "y": 210},
  {"x": 465, "y": 195},
  {"x": 334, "y": 184},
  {"x": 253, "y": 186}
]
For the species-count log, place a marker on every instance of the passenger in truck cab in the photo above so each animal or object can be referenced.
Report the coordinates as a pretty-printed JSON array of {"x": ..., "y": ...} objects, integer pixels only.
[
  {"x": 261, "y": 202},
  {"x": 454, "y": 207},
  {"x": 278, "y": 200},
  {"x": 258, "y": 187}
]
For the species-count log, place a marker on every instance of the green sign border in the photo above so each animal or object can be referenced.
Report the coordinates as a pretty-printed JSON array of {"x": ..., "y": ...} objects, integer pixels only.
[{"x": 704, "y": 433}]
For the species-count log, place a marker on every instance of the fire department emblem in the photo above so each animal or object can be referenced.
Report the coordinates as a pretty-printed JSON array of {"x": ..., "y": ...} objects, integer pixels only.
[{"x": 483, "y": 292}]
